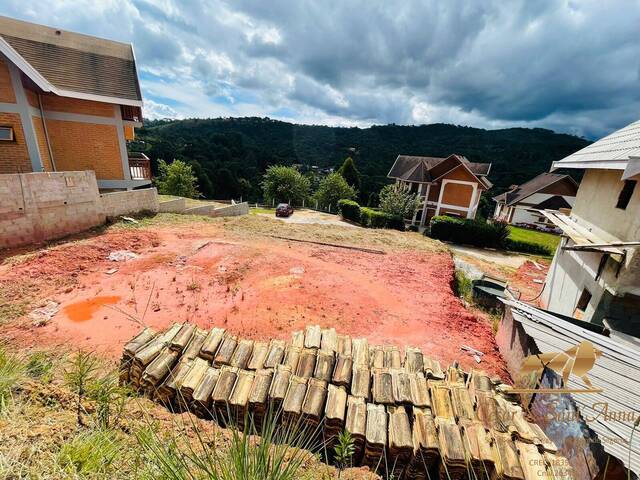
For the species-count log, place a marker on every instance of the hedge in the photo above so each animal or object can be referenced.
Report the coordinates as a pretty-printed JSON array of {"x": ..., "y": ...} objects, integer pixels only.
[
  {"x": 527, "y": 247},
  {"x": 481, "y": 234},
  {"x": 349, "y": 210},
  {"x": 371, "y": 218},
  {"x": 473, "y": 232}
]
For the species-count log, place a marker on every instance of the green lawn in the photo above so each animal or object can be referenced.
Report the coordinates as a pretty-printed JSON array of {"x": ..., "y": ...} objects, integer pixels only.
[
  {"x": 550, "y": 240},
  {"x": 262, "y": 210}
]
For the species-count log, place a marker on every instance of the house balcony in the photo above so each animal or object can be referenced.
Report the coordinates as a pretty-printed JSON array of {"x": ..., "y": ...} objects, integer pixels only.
[{"x": 139, "y": 166}]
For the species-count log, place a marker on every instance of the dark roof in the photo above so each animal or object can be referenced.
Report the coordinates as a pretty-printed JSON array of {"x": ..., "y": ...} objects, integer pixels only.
[
  {"x": 553, "y": 203},
  {"x": 529, "y": 188},
  {"x": 423, "y": 169},
  {"x": 74, "y": 62}
]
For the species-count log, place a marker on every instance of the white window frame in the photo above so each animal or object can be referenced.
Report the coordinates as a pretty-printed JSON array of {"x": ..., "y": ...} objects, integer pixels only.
[{"x": 11, "y": 131}]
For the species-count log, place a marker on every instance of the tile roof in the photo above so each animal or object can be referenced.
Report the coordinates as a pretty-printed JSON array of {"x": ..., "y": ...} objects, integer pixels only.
[
  {"x": 73, "y": 62},
  {"x": 421, "y": 169},
  {"x": 612, "y": 151},
  {"x": 529, "y": 188}
]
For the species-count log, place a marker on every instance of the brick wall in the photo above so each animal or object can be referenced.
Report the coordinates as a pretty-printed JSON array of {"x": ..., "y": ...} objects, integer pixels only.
[
  {"x": 7, "y": 94},
  {"x": 133, "y": 201},
  {"x": 14, "y": 156},
  {"x": 86, "y": 146},
  {"x": 74, "y": 105},
  {"x": 42, "y": 143},
  {"x": 41, "y": 206}
]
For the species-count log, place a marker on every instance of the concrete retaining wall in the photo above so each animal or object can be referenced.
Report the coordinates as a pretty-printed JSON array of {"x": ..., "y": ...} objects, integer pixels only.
[
  {"x": 133, "y": 201},
  {"x": 41, "y": 206},
  {"x": 177, "y": 205},
  {"x": 213, "y": 211}
]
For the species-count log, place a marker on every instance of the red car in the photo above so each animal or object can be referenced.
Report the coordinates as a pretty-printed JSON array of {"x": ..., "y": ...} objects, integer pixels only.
[{"x": 284, "y": 210}]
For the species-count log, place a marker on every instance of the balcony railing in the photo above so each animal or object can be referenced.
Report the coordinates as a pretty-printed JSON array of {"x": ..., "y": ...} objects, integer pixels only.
[{"x": 140, "y": 168}]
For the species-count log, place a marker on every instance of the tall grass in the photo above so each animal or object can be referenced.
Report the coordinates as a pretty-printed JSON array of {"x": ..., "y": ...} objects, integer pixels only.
[
  {"x": 277, "y": 454},
  {"x": 90, "y": 453},
  {"x": 11, "y": 370}
]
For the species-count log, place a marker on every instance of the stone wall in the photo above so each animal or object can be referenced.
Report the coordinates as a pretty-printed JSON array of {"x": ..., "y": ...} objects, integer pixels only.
[
  {"x": 133, "y": 201},
  {"x": 41, "y": 206}
]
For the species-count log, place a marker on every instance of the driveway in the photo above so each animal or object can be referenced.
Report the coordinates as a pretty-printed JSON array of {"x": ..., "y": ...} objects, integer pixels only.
[
  {"x": 311, "y": 217},
  {"x": 509, "y": 260}
]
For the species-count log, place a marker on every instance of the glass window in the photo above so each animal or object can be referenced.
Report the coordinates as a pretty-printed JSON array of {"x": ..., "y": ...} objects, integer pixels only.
[
  {"x": 6, "y": 134},
  {"x": 625, "y": 194}
]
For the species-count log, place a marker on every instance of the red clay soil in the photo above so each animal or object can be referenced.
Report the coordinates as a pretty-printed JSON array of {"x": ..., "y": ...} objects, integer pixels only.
[
  {"x": 262, "y": 289},
  {"x": 529, "y": 280}
]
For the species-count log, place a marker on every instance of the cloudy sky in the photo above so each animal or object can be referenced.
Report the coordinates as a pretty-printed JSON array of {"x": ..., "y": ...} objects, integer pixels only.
[{"x": 573, "y": 66}]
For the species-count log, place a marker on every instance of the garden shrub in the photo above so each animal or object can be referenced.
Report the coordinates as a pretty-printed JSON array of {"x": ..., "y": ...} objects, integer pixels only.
[
  {"x": 371, "y": 218},
  {"x": 473, "y": 232},
  {"x": 395, "y": 222},
  {"x": 527, "y": 247},
  {"x": 349, "y": 210}
]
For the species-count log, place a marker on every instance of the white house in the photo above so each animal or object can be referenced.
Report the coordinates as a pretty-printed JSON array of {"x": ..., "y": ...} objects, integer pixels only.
[
  {"x": 595, "y": 273},
  {"x": 521, "y": 204}
]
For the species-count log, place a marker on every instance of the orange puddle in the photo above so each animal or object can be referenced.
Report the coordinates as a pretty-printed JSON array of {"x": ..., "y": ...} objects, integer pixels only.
[{"x": 84, "y": 310}]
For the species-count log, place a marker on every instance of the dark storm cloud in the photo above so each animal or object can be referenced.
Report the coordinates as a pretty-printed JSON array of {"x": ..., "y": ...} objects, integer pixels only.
[{"x": 568, "y": 65}]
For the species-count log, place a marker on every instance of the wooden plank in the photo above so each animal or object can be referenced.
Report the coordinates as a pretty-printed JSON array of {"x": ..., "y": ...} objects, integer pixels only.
[
  {"x": 192, "y": 350},
  {"x": 212, "y": 343},
  {"x": 414, "y": 360},
  {"x": 292, "y": 357},
  {"x": 307, "y": 363},
  {"x": 343, "y": 370},
  {"x": 242, "y": 354},
  {"x": 314, "y": 401},
  {"x": 361, "y": 382},
  {"x": 419, "y": 390},
  {"x": 181, "y": 339},
  {"x": 401, "y": 385},
  {"x": 360, "y": 352},
  {"x": 329, "y": 340},
  {"x": 325, "y": 363},
  {"x": 294, "y": 398},
  {"x": 382, "y": 391},
  {"x": 312, "y": 336},
  {"x": 258, "y": 356},
  {"x": 344, "y": 345},
  {"x": 276, "y": 353},
  {"x": 225, "y": 351}
]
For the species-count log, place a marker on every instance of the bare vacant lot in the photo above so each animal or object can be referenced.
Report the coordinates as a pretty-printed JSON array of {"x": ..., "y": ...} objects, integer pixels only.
[{"x": 234, "y": 273}]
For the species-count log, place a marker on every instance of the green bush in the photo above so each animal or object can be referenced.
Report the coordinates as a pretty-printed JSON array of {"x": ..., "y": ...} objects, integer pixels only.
[
  {"x": 395, "y": 222},
  {"x": 349, "y": 210},
  {"x": 527, "y": 247},
  {"x": 371, "y": 218},
  {"x": 473, "y": 232}
]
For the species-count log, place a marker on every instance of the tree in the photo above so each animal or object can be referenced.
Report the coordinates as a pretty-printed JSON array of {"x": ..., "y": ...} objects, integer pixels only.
[
  {"x": 397, "y": 200},
  {"x": 350, "y": 173},
  {"x": 333, "y": 188},
  {"x": 177, "y": 178},
  {"x": 284, "y": 184}
]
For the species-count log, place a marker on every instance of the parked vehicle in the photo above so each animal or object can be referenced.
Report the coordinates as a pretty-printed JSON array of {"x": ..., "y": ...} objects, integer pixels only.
[{"x": 284, "y": 210}]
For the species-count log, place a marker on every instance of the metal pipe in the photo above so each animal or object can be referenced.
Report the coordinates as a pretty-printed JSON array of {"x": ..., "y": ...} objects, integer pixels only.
[{"x": 46, "y": 134}]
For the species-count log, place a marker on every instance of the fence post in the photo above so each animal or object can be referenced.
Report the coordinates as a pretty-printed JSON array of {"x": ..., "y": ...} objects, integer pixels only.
[
  {"x": 303, "y": 203},
  {"x": 316, "y": 204}
]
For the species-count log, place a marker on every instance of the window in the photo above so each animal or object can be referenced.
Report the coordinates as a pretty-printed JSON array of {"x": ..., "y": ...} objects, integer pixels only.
[
  {"x": 6, "y": 134},
  {"x": 583, "y": 301},
  {"x": 625, "y": 194}
]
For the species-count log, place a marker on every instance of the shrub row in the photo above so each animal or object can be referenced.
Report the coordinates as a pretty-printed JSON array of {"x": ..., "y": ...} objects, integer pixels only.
[
  {"x": 368, "y": 217},
  {"x": 481, "y": 234},
  {"x": 473, "y": 232}
]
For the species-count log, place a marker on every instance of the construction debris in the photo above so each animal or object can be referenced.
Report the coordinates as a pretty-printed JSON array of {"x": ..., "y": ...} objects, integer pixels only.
[
  {"x": 121, "y": 256},
  {"x": 42, "y": 315},
  {"x": 407, "y": 417}
]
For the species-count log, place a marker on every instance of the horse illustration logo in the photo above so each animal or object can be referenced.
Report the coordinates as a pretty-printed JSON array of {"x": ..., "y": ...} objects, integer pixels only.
[{"x": 577, "y": 361}]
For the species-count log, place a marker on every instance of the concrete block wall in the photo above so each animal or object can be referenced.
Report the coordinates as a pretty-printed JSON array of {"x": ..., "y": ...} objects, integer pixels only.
[
  {"x": 133, "y": 201},
  {"x": 176, "y": 205},
  {"x": 213, "y": 211},
  {"x": 41, "y": 206}
]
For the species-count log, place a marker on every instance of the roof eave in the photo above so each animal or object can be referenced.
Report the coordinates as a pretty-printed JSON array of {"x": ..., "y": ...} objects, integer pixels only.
[
  {"x": 46, "y": 86},
  {"x": 617, "y": 164}
]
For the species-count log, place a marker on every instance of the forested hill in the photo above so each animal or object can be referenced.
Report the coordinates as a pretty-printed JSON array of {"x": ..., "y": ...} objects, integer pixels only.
[{"x": 231, "y": 154}]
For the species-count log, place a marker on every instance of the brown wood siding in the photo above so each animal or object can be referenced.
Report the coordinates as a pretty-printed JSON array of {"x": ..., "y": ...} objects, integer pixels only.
[{"x": 457, "y": 194}]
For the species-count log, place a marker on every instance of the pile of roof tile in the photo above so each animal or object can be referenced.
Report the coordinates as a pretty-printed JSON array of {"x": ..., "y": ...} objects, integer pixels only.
[{"x": 407, "y": 417}]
